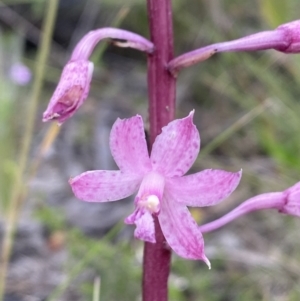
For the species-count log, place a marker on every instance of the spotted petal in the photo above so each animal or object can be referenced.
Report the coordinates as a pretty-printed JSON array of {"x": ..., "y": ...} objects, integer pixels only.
[
  {"x": 176, "y": 148},
  {"x": 128, "y": 145},
  {"x": 180, "y": 230},
  {"x": 144, "y": 222},
  {"x": 104, "y": 185},
  {"x": 205, "y": 188}
]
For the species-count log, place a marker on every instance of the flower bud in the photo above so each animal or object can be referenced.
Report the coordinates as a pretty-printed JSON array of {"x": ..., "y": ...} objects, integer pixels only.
[
  {"x": 292, "y": 203},
  {"x": 71, "y": 91},
  {"x": 292, "y": 34}
]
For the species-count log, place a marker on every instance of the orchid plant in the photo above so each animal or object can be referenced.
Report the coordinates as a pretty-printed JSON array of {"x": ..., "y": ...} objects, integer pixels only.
[{"x": 161, "y": 216}]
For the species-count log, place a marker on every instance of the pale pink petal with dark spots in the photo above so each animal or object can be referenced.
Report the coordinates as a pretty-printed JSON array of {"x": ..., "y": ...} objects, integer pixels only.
[
  {"x": 180, "y": 230},
  {"x": 104, "y": 185},
  {"x": 205, "y": 188},
  {"x": 128, "y": 145},
  {"x": 176, "y": 148},
  {"x": 144, "y": 222}
]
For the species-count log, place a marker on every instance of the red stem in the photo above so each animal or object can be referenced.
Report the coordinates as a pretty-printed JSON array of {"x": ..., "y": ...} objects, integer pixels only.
[{"x": 161, "y": 85}]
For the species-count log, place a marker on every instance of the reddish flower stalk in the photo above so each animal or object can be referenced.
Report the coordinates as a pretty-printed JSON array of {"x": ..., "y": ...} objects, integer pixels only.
[
  {"x": 284, "y": 38},
  {"x": 161, "y": 85},
  {"x": 85, "y": 47},
  {"x": 287, "y": 201}
]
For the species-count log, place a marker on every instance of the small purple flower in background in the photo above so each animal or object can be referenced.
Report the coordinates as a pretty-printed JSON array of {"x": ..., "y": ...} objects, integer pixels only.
[
  {"x": 20, "y": 74},
  {"x": 72, "y": 90},
  {"x": 163, "y": 191}
]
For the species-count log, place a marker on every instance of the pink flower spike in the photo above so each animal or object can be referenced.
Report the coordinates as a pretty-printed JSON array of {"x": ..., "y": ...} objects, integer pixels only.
[
  {"x": 162, "y": 191},
  {"x": 71, "y": 92}
]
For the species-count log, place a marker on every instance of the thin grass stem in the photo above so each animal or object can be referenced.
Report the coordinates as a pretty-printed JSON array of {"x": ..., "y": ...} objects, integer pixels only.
[
  {"x": 78, "y": 267},
  {"x": 16, "y": 199},
  {"x": 97, "y": 288},
  {"x": 244, "y": 120}
]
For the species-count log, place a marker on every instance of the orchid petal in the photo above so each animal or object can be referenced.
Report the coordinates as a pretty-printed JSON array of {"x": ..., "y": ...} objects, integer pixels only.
[
  {"x": 180, "y": 230},
  {"x": 205, "y": 188},
  {"x": 104, "y": 185},
  {"x": 128, "y": 145},
  {"x": 176, "y": 148},
  {"x": 144, "y": 222}
]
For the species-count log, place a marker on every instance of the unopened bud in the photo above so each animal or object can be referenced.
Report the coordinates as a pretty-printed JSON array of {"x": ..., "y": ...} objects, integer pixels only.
[{"x": 71, "y": 92}]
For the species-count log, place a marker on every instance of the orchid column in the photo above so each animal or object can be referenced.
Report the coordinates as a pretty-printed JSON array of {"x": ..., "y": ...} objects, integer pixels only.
[{"x": 161, "y": 85}]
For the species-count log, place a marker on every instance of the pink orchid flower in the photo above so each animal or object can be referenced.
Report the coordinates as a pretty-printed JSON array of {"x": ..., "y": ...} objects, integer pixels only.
[{"x": 163, "y": 191}]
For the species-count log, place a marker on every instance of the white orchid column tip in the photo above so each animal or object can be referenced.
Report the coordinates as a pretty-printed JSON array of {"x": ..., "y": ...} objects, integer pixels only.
[{"x": 151, "y": 203}]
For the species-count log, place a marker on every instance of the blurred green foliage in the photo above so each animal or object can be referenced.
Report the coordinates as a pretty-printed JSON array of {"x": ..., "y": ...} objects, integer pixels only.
[
  {"x": 11, "y": 51},
  {"x": 275, "y": 12}
]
